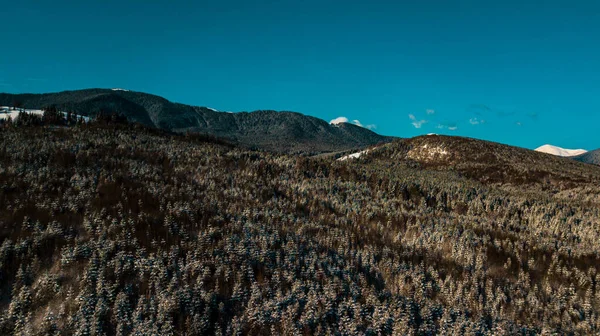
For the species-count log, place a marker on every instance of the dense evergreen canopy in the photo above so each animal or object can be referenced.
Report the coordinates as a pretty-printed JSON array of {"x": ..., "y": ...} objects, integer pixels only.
[{"x": 118, "y": 229}]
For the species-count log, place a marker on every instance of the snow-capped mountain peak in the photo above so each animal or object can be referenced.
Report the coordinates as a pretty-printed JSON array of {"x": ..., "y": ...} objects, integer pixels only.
[{"x": 554, "y": 150}]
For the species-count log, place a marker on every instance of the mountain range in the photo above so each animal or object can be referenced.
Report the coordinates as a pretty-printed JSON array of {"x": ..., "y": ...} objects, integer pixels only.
[
  {"x": 288, "y": 132},
  {"x": 284, "y": 132},
  {"x": 591, "y": 157}
]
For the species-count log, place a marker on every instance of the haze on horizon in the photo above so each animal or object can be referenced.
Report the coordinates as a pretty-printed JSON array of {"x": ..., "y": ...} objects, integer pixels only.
[{"x": 516, "y": 72}]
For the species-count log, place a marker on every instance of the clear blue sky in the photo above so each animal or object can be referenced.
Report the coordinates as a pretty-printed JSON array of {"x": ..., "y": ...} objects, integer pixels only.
[{"x": 519, "y": 72}]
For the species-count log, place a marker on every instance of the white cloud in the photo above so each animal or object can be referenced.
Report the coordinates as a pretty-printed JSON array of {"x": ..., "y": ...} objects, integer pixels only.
[
  {"x": 356, "y": 122},
  {"x": 430, "y": 111},
  {"x": 416, "y": 123},
  {"x": 339, "y": 120},
  {"x": 476, "y": 121},
  {"x": 450, "y": 126}
]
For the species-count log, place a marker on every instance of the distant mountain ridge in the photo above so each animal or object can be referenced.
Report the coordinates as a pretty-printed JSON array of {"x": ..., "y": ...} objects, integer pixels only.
[
  {"x": 558, "y": 151},
  {"x": 591, "y": 157},
  {"x": 270, "y": 130}
]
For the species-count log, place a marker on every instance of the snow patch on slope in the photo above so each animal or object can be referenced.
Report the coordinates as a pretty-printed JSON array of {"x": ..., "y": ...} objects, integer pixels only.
[
  {"x": 359, "y": 154},
  {"x": 554, "y": 150},
  {"x": 8, "y": 112},
  {"x": 353, "y": 155},
  {"x": 427, "y": 152}
]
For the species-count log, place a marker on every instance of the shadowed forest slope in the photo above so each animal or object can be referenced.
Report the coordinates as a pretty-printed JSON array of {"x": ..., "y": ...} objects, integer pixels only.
[
  {"x": 591, "y": 157},
  {"x": 288, "y": 132}
]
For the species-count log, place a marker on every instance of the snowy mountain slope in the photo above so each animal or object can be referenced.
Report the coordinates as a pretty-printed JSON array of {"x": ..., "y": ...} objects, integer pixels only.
[
  {"x": 554, "y": 150},
  {"x": 8, "y": 112}
]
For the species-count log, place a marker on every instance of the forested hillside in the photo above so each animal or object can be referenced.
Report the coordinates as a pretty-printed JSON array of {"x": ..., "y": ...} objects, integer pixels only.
[
  {"x": 118, "y": 229},
  {"x": 284, "y": 132}
]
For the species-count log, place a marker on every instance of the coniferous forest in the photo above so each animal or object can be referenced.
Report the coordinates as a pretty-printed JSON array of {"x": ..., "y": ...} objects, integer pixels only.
[{"x": 109, "y": 228}]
